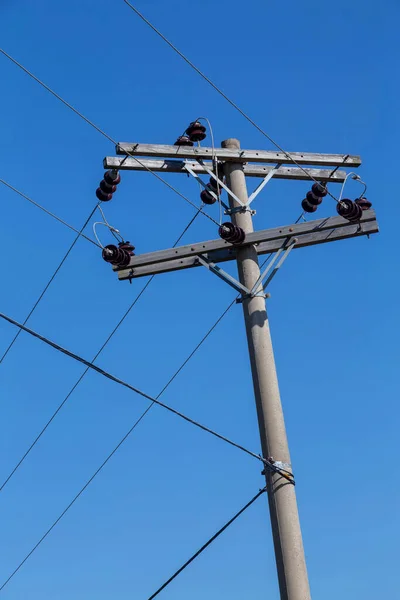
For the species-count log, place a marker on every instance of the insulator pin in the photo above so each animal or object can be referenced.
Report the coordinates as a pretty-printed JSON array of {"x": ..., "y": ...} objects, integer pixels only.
[
  {"x": 183, "y": 140},
  {"x": 206, "y": 197},
  {"x": 314, "y": 197},
  {"x": 307, "y": 207},
  {"x": 196, "y": 131},
  {"x": 349, "y": 210},
  {"x": 363, "y": 203},
  {"x": 108, "y": 185},
  {"x": 112, "y": 177},
  {"x": 231, "y": 233},
  {"x": 319, "y": 190},
  {"x": 118, "y": 255}
]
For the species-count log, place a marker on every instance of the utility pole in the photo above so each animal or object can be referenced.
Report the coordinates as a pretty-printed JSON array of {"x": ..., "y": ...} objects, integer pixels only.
[
  {"x": 289, "y": 552},
  {"x": 238, "y": 241}
]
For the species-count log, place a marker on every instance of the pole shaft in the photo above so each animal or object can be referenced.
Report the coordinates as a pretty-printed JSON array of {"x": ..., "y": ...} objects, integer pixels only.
[{"x": 288, "y": 544}]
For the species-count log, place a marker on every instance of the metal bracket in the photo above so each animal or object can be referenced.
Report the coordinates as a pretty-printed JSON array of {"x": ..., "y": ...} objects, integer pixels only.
[
  {"x": 221, "y": 184},
  {"x": 239, "y": 209},
  {"x": 255, "y": 290},
  {"x": 204, "y": 184},
  {"x": 286, "y": 249},
  {"x": 243, "y": 207},
  {"x": 222, "y": 274}
]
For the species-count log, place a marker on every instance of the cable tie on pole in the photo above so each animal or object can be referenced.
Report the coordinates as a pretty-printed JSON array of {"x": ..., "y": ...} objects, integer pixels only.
[{"x": 277, "y": 467}]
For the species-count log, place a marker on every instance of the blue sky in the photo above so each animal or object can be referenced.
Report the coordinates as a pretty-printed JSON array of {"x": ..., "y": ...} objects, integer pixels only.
[{"x": 317, "y": 76}]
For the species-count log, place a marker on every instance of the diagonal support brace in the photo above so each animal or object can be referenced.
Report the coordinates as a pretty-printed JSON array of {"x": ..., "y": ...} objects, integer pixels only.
[
  {"x": 204, "y": 184},
  {"x": 222, "y": 274},
  {"x": 262, "y": 185},
  {"x": 271, "y": 270},
  {"x": 221, "y": 184},
  {"x": 255, "y": 290}
]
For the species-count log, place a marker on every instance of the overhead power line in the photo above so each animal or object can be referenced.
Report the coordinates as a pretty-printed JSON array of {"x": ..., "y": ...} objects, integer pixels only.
[
  {"x": 48, "y": 284},
  {"x": 221, "y": 93},
  {"x": 132, "y": 428},
  {"x": 48, "y": 212},
  {"x": 111, "y": 454},
  {"x": 111, "y": 335},
  {"x": 208, "y": 543},
  {"x": 102, "y": 132},
  {"x": 128, "y": 386},
  {"x": 169, "y": 382}
]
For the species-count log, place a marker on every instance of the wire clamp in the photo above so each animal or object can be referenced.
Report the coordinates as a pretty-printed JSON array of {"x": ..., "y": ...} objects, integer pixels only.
[
  {"x": 240, "y": 209},
  {"x": 279, "y": 467}
]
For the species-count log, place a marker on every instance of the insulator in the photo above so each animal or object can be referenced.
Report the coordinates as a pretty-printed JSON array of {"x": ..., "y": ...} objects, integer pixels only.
[
  {"x": 349, "y": 210},
  {"x": 183, "y": 140},
  {"x": 112, "y": 177},
  {"x": 231, "y": 233},
  {"x": 307, "y": 207},
  {"x": 108, "y": 185},
  {"x": 118, "y": 255},
  {"x": 319, "y": 190},
  {"x": 102, "y": 196},
  {"x": 363, "y": 203},
  {"x": 196, "y": 131},
  {"x": 313, "y": 199},
  {"x": 214, "y": 185},
  {"x": 207, "y": 198},
  {"x": 106, "y": 188}
]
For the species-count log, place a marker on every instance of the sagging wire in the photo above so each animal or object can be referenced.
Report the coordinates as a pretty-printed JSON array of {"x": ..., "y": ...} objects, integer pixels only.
[
  {"x": 127, "y": 385},
  {"x": 102, "y": 347},
  {"x": 140, "y": 418},
  {"x": 115, "y": 232}
]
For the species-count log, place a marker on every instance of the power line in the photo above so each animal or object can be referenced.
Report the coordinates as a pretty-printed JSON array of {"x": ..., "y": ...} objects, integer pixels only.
[
  {"x": 132, "y": 388},
  {"x": 208, "y": 543},
  {"x": 217, "y": 89},
  {"x": 172, "y": 378},
  {"x": 141, "y": 417},
  {"x": 48, "y": 284},
  {"x": 69, "y": 506},
  {"x": 101, "y": 131},
  {"x": 111, "y": 454},
  {"x": 14, "y": 189},
  {"x": 50, "y": 420}
]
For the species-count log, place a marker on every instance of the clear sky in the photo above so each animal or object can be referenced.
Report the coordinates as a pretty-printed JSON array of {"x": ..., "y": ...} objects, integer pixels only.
[{"x": 318, "y": 76}]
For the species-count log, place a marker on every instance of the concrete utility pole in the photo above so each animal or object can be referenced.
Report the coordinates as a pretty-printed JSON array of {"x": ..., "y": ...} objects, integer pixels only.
[
  {"x": 289, "y": 552},
  {"x": 238, "y": 241}
]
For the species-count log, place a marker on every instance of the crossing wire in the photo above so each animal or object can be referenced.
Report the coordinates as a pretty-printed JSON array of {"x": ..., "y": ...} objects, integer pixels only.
[
  {"x": 101, "y": 131},
  {"x": 199, "y": 209},
  {"x": 139, "y": 420},
  {"x": 111, "y": 454},
  {"x": 48, "y": 284},
  {"x": 111, "y": 335},
  {"x": 217, "y": 89}
]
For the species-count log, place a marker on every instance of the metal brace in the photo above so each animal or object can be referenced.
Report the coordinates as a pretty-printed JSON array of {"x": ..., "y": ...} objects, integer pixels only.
[
  {"x": 239, "y": 209},
  {"x": 262, "y": 185},
  {"x": 222, "y": 274},
  {"x": 203, "y": 183},
  {"x": 243, "y": 206},
  {"x": 221, "y": 184},
  {"x": 255, "y": 290}
]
